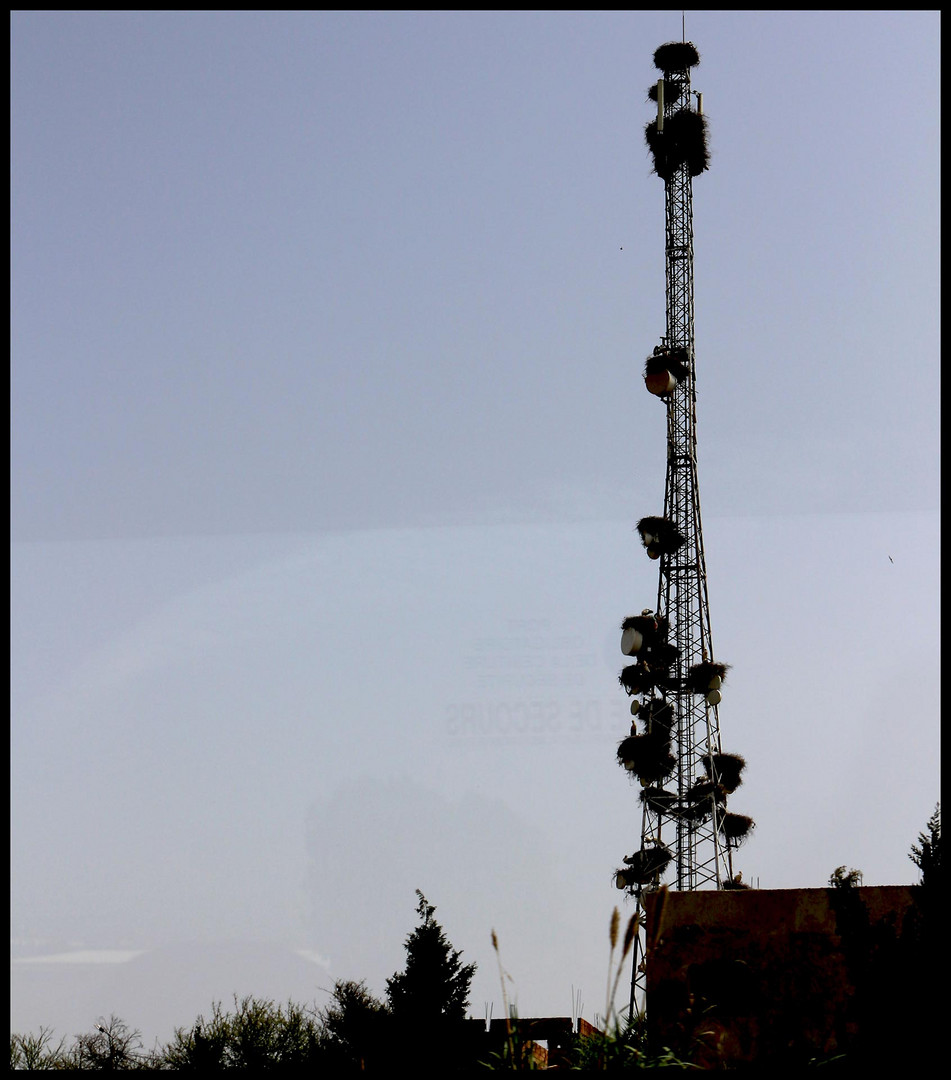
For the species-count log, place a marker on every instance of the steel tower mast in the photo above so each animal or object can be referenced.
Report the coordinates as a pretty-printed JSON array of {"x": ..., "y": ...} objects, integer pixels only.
[{"x": 674, "y": 747}]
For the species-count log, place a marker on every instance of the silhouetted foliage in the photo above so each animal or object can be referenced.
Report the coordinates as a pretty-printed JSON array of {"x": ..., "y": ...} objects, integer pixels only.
[
  {"x": 113, "y": 1045},
  {"x": 845, "y": 879},
  {"x": 435, "y": 984},
  {"x": 926, "y": 854},
  {"x": 257, "y": 1035},
  {"x": 355, "y": 1027},
  {"x": 36, "y": 1052},
  {"x": 431, "y": 995},
  {"x": 920, "y": 1008}
]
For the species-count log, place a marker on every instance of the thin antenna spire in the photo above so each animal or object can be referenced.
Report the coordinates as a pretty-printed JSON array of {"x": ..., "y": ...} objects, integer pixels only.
[{"x": 683, "y": 26}]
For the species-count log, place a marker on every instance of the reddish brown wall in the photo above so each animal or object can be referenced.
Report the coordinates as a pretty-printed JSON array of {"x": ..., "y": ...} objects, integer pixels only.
[{"x": 773, "y": 976}]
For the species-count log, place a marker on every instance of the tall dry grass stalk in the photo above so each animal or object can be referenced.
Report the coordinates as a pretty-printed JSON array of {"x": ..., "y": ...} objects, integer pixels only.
[
  {"x": 612, "y": 934},
  {"x": 503, "y": 975},
  {"x": 629, "y": 935}
]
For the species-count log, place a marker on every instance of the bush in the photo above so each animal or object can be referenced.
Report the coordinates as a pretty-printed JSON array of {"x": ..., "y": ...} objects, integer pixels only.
[{"x": 258, "y": 1035}]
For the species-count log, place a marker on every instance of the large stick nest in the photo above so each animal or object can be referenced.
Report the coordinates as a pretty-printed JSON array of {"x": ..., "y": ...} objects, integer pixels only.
[
  {"x": 676, "y": 361},
  {"x": 701, "y": 675},
  {"x": 660, "y": 654},
  {"x": 641, "y": 678},
  {"x": 647, "y": 756},
  {"x": 660, "y": 534},
  {"x": 647, "y": 625},
  {"x": 694, "y": 813},
  {"x": 682, "y": 142},
  {"x": 726, "y": 768},
  {"x": 676, "y": 56},
  {"x": 736, "y": 828},
  {"x": 672, "y": 90},
  {"x": 736, "y": 882},
  {"x": 658, "y": 799},
  {"x": 641, "y": 867},
  {"x": 634, "y": 679},
  {"x": 704, "y": 789}
]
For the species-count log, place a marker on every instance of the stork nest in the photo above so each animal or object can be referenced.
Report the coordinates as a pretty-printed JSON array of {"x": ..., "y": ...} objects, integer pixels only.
[
  {"x": 672, "y": 90},
  {"x": 660, "y": 654},
  {"x": 726, "y": 768},
  {"x": 658, "y": 799},
  {"x": 683, "y": 142},
  {"x": 676, "y": 361},
  {"x": 735, "y": 883},
  {"x": 644, "y": 865},
  {"x": 642, "y": 677},
  {"x": 647, "y": 625},
  {"x": 704, "y": 789},
  {"x": 736, "y": 828},
  {"x": 647, "y": 756},
  {"x": 694, "y": 813},
  {"x": 676, "y": 56},
  {"x": 701, "y": 675},
  {"x": 661, "y": 534}
]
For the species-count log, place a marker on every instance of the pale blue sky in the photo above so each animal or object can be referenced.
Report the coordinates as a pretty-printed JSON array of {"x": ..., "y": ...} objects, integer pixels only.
[{"x": 328, "y": 439}]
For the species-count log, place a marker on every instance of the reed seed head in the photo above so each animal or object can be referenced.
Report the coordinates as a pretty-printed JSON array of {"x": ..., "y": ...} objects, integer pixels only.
[
  {"x": 629, "y": 934},
  {"x": 615, "y": 923}
]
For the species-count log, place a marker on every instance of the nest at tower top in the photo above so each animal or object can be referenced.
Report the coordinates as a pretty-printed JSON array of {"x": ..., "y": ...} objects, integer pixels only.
[{"x": 676, "y": 56}]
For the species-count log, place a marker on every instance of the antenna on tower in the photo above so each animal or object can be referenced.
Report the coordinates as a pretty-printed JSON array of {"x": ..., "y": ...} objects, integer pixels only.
[{"x": 674, "y": 747}]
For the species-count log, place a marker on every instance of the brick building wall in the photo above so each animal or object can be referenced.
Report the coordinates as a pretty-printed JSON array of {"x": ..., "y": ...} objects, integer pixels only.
[{"x": 782, "y": 976}]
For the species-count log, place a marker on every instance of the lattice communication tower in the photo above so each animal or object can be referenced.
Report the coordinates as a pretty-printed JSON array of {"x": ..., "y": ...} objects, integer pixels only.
[{"x": 674, "y": 748}]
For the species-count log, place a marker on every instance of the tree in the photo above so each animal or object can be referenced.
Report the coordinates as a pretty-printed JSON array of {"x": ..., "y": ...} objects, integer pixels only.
[
  {"x": 114, "y": 1045},
  {"x": 435, "y": 985},
  {"x": 35, "y": 1052},
  {"x": 926, "y": 854},
  {"x": 842, "y": 879},
  {"x": 428, "y": 1000},
  {"x": 354, "y": 1027},
  {"x": 257, "y": 1035}
]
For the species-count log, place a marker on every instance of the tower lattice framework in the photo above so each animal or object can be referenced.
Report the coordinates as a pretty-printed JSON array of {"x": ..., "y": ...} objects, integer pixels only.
[
  {"x": 687, "y": 834},
  {"x": 701, "y": 857}
]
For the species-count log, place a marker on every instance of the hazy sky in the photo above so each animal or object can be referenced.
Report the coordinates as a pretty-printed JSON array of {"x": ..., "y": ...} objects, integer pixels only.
[{"x": 328, "y": 440}]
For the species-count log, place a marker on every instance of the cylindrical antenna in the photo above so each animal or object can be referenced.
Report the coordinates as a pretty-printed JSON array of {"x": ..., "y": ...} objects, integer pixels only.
[
  {"x": 660, "y": 105},
  {"x": 699, "y": 103}
]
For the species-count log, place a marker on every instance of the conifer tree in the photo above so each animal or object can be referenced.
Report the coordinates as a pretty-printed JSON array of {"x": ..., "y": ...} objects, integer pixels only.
[
  {"x": 926, "y": 854},
  {"x": 434, "y": 988}
]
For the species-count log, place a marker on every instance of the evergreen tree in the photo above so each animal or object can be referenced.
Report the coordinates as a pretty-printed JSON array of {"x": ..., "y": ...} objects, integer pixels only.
[
  {"x": 434, "y": 988},
  {"x": 926, "y": 854}
]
